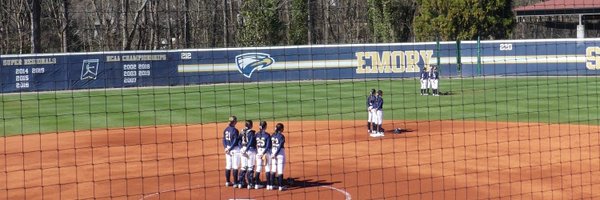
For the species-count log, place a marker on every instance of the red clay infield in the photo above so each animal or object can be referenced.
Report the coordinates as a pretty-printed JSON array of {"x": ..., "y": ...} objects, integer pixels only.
[{"x": 326, "y": 159}]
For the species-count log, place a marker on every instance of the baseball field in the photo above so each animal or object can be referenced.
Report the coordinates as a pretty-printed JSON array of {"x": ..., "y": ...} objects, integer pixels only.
[{"x": 484, "y": 138}]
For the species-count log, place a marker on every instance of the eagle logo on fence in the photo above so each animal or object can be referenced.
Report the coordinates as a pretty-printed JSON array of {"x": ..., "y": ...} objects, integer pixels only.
[{"x": 249, "y": 62}]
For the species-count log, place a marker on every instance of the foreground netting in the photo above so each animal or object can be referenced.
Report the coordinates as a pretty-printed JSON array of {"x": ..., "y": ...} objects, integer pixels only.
[{"x": 459, "y": 118}]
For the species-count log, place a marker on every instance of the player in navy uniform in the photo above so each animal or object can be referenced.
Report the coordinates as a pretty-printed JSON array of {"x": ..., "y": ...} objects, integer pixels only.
[
  {"x": 230, "y": 142},
  {"x": 248, "y": 155},
  {"x": 277, "y": 156},
  {"x": 378, "y": 107},
  {"x": 263, "y": 151},
  {"x": 424, "y": 81},
  {"x": 434, "y": 77},
  {"x": 371, "y": 114}
]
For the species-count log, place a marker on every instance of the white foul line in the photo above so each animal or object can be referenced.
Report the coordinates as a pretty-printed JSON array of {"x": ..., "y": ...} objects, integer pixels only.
[
  {"x": 169, "y": 190},
  {"x": 348, "y": 196}
]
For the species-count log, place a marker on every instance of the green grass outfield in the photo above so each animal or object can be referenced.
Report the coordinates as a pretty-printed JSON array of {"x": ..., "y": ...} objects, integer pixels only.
[{"x": 526, "y": 99}]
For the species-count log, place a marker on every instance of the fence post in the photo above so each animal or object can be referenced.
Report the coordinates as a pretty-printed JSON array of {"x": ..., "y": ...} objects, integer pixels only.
[
  {"x": 437, "y": 50},
  {"x": 458, "y": 61},
  {"x": 478, "y": 56}
]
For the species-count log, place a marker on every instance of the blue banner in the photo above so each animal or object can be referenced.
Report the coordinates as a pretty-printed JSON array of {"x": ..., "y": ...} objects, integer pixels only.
[{"x": 71, "y": 71}]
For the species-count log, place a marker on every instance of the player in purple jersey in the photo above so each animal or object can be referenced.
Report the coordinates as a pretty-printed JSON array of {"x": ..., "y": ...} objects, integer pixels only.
[{"x": 230, "y": 143}]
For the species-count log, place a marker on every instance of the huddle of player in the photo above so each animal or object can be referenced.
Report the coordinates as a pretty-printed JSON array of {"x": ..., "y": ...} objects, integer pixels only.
[
  {"x": 429, "y": 79},
  {"x": 252, "y": 149},
  {"x": 375, "y": 113}
]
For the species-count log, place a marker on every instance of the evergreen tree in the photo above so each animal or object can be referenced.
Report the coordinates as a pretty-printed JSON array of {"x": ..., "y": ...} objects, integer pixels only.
[
  {"x": 260, "y": 25},
  {"x": 463, "y": 19},
  {"x": 299, "y": 23},
  {"x": 389, "y": 20}
]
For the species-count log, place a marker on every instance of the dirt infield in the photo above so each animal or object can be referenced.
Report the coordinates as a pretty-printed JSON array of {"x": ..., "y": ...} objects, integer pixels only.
[{"x": 325, "y": 159}]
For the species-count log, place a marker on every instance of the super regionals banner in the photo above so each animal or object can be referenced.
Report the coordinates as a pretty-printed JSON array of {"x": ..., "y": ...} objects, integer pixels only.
[{"x": 40, "y": 72}]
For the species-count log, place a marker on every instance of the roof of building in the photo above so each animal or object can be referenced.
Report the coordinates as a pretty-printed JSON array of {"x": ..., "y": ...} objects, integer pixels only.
[{"x": 560, "y": 7}]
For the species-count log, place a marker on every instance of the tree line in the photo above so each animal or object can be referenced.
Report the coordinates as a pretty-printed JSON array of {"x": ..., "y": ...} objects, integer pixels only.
[{"x": 35, "y": 26}]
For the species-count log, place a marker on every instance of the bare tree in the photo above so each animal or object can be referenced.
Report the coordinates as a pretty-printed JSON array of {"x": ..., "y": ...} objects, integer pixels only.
[
  {"x": 311, "y": 23},
  {"x": 186, "y": 24},
  {"x": 58, "y": 11},
  {"x": 326, "y": 25},
  {"x": 35, "y": 14},
  {"x": 225, "y": 24},
  {"x": 136, "y": 21},
  {"x": 65, "y": 28},
  {"x": 124, "y": 12},
  {"x": 155, "y": 27}
]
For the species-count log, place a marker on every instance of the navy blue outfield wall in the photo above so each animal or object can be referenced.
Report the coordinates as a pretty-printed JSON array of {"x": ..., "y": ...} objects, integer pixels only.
[{"x": 68, "y": 71}]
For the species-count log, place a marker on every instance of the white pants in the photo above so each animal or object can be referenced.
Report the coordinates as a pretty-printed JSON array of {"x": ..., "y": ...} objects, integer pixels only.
[
  {"x": 248, "y": 160},
  {"x": 278, "y": 164},
  {"x": 232, "y": 159},
  {"x": 433, "y": 83},
  {"x": 267, "y": 162},
  {"x": 371, "y": 115},
  {"x": 378, "y": 117},
  {"x": 424, "y": 83}
]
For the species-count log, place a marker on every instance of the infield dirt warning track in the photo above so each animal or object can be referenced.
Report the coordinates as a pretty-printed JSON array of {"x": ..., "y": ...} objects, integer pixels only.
[{"x": 325, "y": 160}]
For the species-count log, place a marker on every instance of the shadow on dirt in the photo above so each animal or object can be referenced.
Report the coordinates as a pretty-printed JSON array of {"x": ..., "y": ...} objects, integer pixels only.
[{"x": 297, "y": 183}]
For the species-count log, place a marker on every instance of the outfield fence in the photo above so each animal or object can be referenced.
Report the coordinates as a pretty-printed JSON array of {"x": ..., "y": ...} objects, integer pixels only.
[
  {"x": 513, "y": 119},
  {"x": 71, "y": 71}
]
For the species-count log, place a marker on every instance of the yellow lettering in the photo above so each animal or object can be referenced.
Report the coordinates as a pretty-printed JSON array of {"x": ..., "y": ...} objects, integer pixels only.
[
  {"x": 374, "y": 56},
  {"x": 592, "y": 55},
  {"x": 398, "y": 65},
  {"x": 394, "y": 61},
  {"x": 384, "y": 63},
  {"x": 426, "y": 55},
  {"x": 360, "y": 62},
  {"x": 412, "y": 58}
]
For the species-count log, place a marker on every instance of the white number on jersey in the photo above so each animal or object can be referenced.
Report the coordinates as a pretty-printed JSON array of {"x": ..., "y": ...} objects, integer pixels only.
[
  {"x": 275, "y": 142},
  {"x": 227, "y": 136},
  {"x": 260, "y": 142},
  {"x": 244, "y": 139}
]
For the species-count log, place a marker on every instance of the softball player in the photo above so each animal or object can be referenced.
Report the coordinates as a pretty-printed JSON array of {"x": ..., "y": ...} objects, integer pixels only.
[
  {"x": 248, "y": 155},
  {"x": 434, "y": 77},
  {"x": 424, "y": 81},
  {"x": 371, "y": 119},
  {"x": 263, "y": 151},
  {"x": 378, "y": 107},
  {"x": 277, "y": 156},
  {"x": 230, "y": 142}
]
